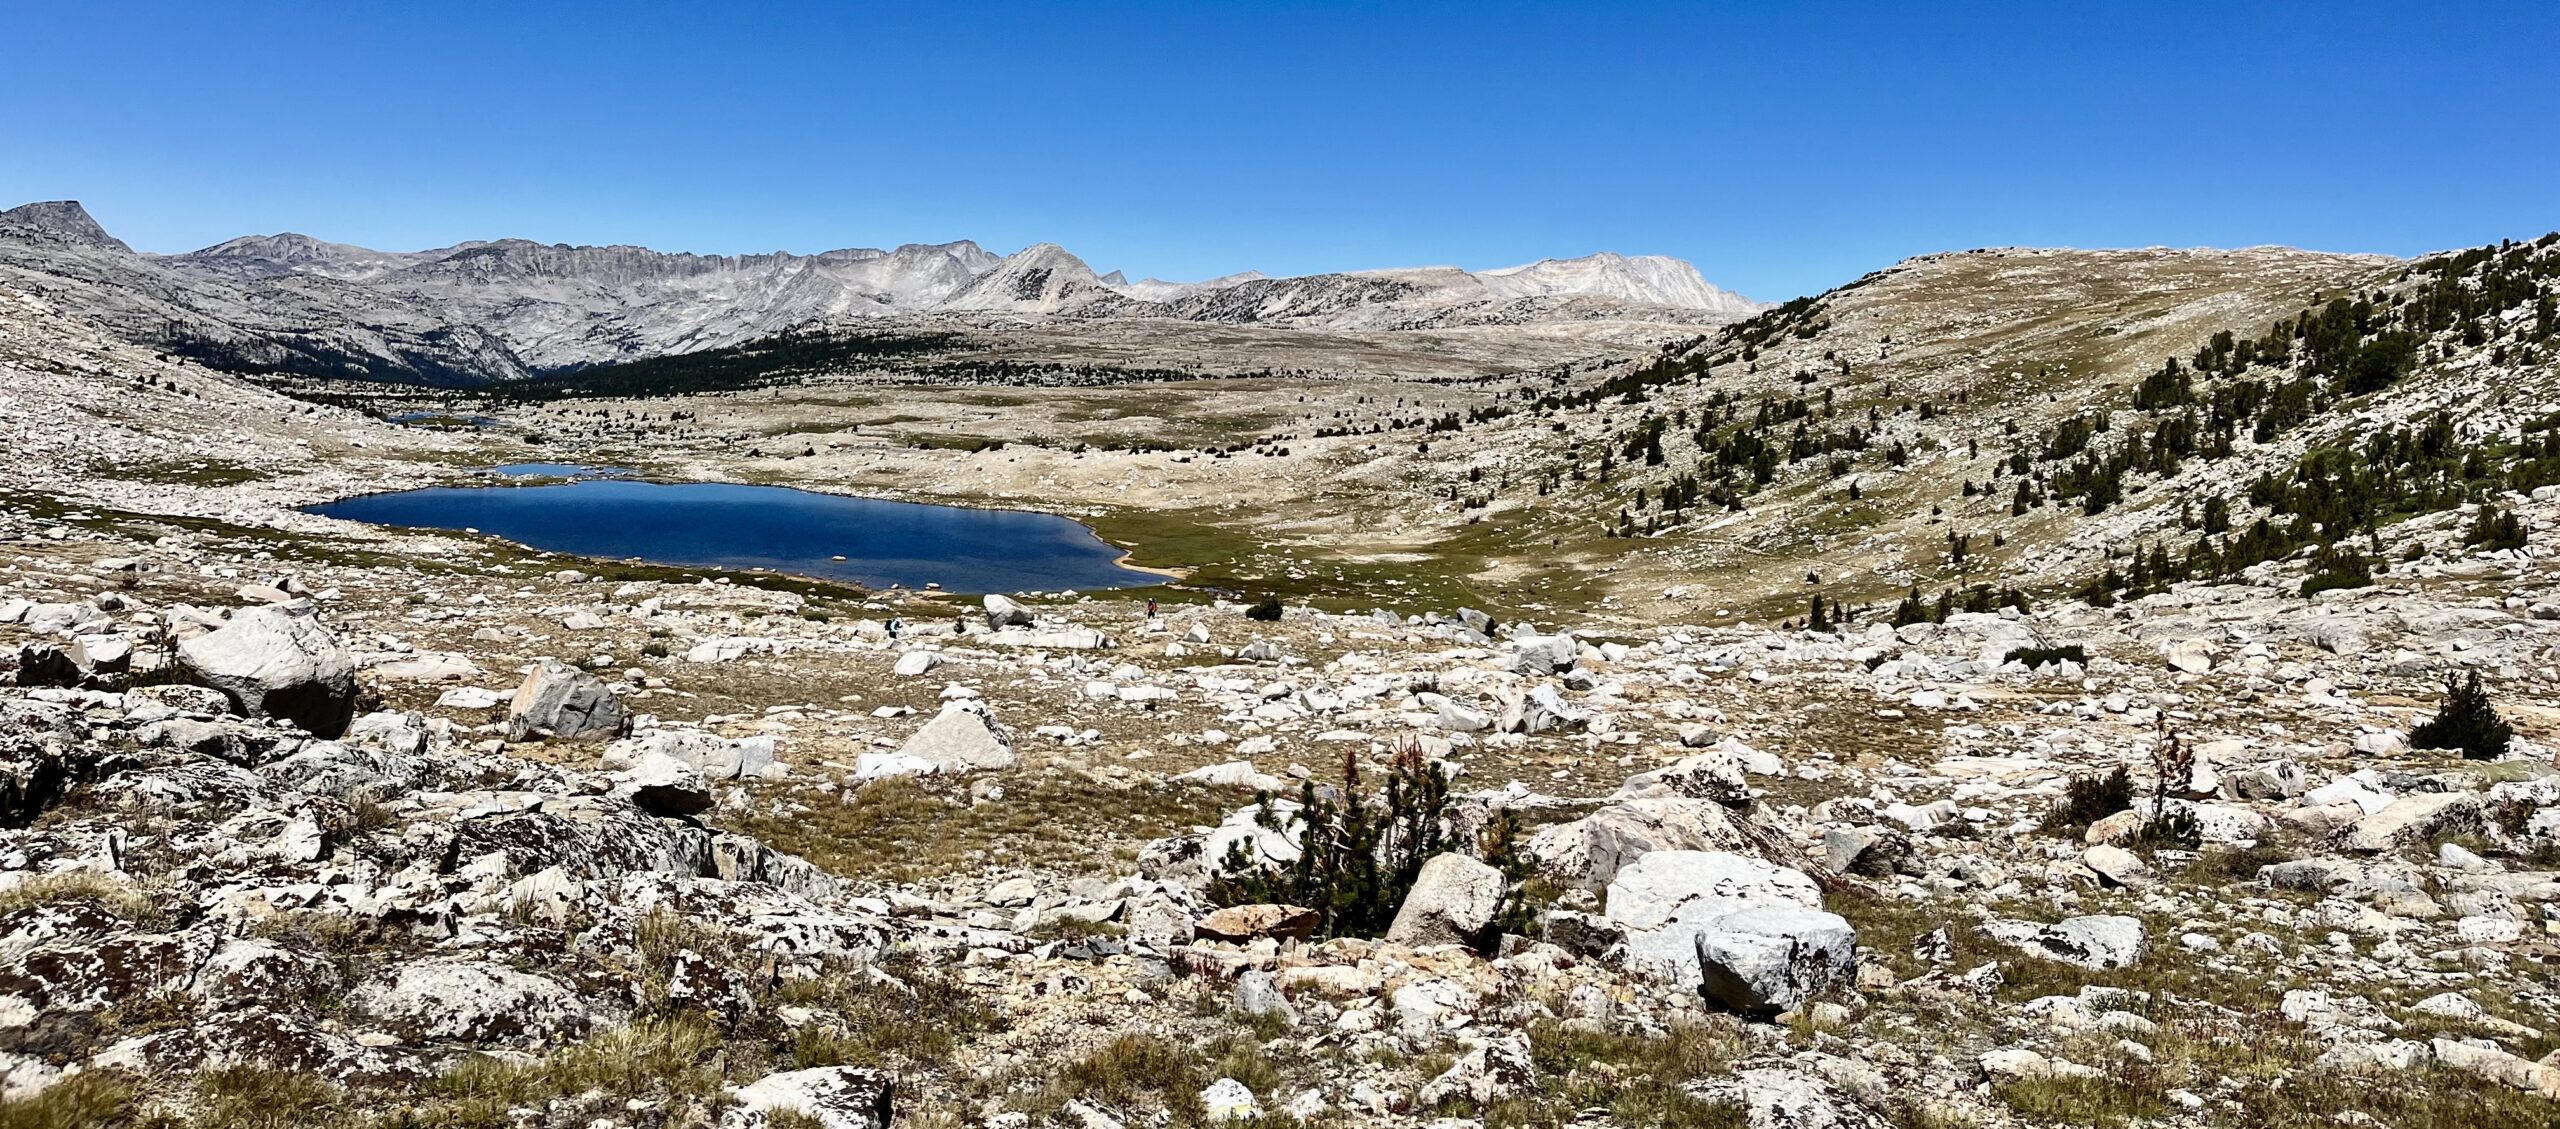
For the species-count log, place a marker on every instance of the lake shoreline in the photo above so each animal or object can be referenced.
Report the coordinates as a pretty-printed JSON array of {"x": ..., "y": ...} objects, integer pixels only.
[{"x": 874, "y": 544}]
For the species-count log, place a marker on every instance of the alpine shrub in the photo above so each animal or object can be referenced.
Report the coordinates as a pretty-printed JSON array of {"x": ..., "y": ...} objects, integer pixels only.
[
  {"x": 2089, "y": 799},
  {"x": 2033, "y": 657}
]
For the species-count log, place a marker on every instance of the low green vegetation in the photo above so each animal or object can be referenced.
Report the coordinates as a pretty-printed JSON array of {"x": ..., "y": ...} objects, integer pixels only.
[
  {"x": 1640, "y": 1079},
  {"x": 2088, "y": 799},
  {"x": 903, "y": 830},
  {"x": 2034, "y": 657}
]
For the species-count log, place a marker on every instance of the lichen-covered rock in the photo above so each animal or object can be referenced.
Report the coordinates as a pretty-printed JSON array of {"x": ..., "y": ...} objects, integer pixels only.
[
  {"x": 52, "y": 981},
  {"x": 1718, "y": 775},
  {"x": 2101, "y": 941},
  {"x": 1782, "y": 1098},
  {"x": 268, "y": 1038},
  {"x": 1493, "y": 1069},
  {"x": 2414, "y": 819},
  {"x": 463, "y": 999},
  {"x": 835, "y": 1097}
]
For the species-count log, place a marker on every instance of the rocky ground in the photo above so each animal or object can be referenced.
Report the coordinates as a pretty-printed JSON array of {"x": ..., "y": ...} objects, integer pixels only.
[
  {"x": 560, "y": 849},
  {"x": 305, "y": 823}
]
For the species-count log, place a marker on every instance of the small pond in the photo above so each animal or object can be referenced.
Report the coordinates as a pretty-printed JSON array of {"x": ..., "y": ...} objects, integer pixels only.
[
  {"x": 445, "y": 420},
  {"x": 707, "y": 525}
]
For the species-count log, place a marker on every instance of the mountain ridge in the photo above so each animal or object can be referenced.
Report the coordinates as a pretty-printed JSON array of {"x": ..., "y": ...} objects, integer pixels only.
[{"x": 291, "y": 302}]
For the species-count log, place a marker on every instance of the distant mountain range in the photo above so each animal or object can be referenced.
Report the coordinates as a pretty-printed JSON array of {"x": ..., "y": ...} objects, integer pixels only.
[{"x": 511, "y": 308}]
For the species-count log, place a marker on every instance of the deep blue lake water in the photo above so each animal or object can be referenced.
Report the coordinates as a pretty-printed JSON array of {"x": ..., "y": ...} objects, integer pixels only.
[{"x": 704, "y": 524}]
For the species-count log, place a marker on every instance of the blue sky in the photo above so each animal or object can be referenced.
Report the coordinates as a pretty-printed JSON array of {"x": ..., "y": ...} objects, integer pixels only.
[{"x": 1783, "y": 148}]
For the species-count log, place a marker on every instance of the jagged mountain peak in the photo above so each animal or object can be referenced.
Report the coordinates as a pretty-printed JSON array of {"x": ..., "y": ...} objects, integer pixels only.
[
  {"x": 1048, "y": 255},
  {"x": 1043, "y": 278},
  {"x": 62, "y": 219},
  {"x": 966, "y": 252}
]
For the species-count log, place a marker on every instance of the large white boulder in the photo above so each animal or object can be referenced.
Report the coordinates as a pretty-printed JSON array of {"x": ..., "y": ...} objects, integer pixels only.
[
  {"x": 1453, "y": 902},
  {"x": 662, "y": 785},
  {"x": 80, "y": 618},
  {"x": 1541, "y": 655},
  {"x": 270, "y": 663},
  {"x": 1003, "y": 612},
  {"x": 1264, "y": 846},
  {"x": 717, "y": 757},
  {"x": 1052, "y": 639},
  {"x": 964, "y": 737},
  {"x": 1747, "y": 934},
  {"x": 1717, "y": 774},
  {"x": 1769, "y": 958},
  {"x": 1540, "y": 710},
  {"x": 2191, "y": 656},
  {"x": 2414, "y": 818}
]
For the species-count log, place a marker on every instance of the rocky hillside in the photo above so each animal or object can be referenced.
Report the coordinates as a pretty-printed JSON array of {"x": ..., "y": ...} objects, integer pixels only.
[
  {"x": 308, "y": 324},
  {"x": 496, "y": 311},
  {"x": 2047, "y": 419}
]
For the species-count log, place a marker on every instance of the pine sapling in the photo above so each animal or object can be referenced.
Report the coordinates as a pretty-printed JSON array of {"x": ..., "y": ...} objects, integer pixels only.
[
  {"x": 2465, "y": 721},
  {"x": 2173, "y": 768}
]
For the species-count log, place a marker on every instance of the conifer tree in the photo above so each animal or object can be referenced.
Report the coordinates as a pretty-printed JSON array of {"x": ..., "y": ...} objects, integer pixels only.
[{"x": 2465, "y": 721}]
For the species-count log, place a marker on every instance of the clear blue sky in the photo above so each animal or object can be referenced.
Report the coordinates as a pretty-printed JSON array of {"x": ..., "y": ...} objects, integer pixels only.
[{"x": 1783, "y": 148}]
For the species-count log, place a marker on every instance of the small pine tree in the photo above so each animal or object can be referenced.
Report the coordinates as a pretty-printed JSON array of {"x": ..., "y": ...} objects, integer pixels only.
[
  {"x": 2466, "y": 721},
  {"x": 1911, "y": 610},
  {"x": 2173, "y": 768},
  {"x": 2493, "y": 529},
  {"x": 2337, "y": 565},
  {"x": 1358, "y": 856},
  {"x": 1267, "y": 611}
]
